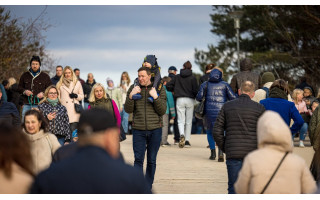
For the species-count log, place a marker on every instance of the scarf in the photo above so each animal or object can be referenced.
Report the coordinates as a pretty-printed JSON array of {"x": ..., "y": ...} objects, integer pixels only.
[
  {"x": 66, "y": 82},
  {"x": 53, "y": 102},
  {"x": 278, "y": 93},
  {"x": 34, "y": 74},
  {"x": 103, "y": 103}
]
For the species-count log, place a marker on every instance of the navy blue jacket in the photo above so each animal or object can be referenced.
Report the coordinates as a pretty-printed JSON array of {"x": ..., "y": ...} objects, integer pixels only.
[
  {"x": 90, "y": 171},
  {"x": 9, "y": 114},
  {"x": 218, "y": 92},
  {"x": 286, "y": 109}
]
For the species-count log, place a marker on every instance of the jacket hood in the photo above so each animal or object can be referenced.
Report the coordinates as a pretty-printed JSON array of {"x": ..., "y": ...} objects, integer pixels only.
[
  {"x": 246, "y": 65},
  {"x": 185, "y": 72},
  {"x": 215, "y": 76},
  {"x": 36, "y": 136},
  {"x": 273, "y": 132}
]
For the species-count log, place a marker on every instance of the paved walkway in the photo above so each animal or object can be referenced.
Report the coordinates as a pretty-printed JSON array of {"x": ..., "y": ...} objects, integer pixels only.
[{"x": 189, "y": 170}]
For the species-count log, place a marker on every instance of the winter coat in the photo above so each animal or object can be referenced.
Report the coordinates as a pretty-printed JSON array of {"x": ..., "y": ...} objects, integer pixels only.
[
  {"x": 245, "y": 74},
  {"x": 238, "y": 118},
  {"x": 218, "y": 92},
  {"x": 170, "y": 103},
  {"x": 14, "y": 95},
  {"x": 43, "y": 146},
  {"x": 146, "y": 115},
  {"x": 115, "y": 111},
  {"x": 19, "y": 182},
  {"x": 260, "y": 94},
  {"x": 124, "y": 92},
  {"x": 287, "y": 111},
  {"x": 55, "y": 80},
  {"x": 91, "y": 170},
  {"x": 60, "y": 124},
  {"x": 9, "y": 114},
  {"x": 293, "y": 176},
  {"x": 87, "y": 87},
  {"x": 204, "y": 78},
  {"x": 66, "y": 101},
  {"x": 116, "y": 95},
  {"x": 4, "y": 96},
  {"x": 35, "y": 84},
  {"x": 183, "y": 84},
  {"x": 314, "y": 129}
]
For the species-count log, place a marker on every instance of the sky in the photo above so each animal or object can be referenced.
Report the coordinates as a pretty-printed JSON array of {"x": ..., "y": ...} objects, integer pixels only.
[{"x": 109, "y": 39}]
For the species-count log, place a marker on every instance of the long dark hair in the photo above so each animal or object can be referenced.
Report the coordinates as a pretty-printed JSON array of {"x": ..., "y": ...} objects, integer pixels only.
[
  {"x": 282, "y": 84},
  {"x": 39, "y": 116},
  {"x": 14, "y": 148}
]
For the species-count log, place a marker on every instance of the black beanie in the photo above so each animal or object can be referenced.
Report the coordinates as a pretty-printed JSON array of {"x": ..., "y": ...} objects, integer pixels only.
[
  {"x": 35, "y": 58},
  {"x": 150, "y": 59},
  {"x": 95, "y": 120}
]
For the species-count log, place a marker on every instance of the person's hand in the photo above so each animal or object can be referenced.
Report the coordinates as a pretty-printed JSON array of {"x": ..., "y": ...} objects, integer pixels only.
[
  {"x": 153, "y": 93},
  {"x": 66, "y": 143},
  {"x": 171, "y": 120},
  {"x": 40, "y": 95},
  {"x": 51, "y": 116},
  {"x": 134, "y": 91},
  {"x": 28, "y": 92},
  {"x": 73, "y": 95}
]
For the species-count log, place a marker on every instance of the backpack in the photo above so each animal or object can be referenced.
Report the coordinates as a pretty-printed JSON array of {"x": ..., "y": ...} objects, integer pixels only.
[{"x": 266, "y": 90}]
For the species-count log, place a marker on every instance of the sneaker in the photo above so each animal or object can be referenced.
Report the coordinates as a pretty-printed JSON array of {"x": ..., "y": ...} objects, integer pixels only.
[
  {"x": 176, "y": 142},
  {"x": 187, "y": 144},
  {"x": 136, "y": 96},
  {"x": 166, "y": 144},
  {"x": 301, "y": 144},
  {"x": 150, "y": 99},
  {"x": 181, "y": 142}
]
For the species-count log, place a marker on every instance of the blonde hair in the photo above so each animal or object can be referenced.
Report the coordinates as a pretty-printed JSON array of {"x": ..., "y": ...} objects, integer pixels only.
[
  {"x": 46, "y": 92},
  {"x": 92, "y": 97},
  {"x": 127, "y": 75},
  {"x": 295, "y": 94},
  {"x": 74, "y": 78},
  {"x": 11, "y": 81}
]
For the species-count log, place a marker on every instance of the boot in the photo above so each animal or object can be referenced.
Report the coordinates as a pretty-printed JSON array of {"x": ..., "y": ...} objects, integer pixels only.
[
  {"x": 221, "y": 158},
  {"x": 213, "y": 154}
]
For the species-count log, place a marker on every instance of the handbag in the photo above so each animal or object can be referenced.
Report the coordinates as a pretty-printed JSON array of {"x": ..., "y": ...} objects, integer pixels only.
[
  {"x": 199, "y": 110},
  {"x": 77, "y": 107}
]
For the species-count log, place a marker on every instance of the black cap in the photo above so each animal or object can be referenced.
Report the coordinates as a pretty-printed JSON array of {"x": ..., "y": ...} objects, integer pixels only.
[
  {"x": 172, "y": 68},
  {"x": 35, "y": 58},
  {"x": 95, "y": 120}
]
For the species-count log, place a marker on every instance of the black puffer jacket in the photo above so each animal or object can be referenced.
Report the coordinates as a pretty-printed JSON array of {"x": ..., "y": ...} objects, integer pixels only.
[
  {"x": 183, "y": 84},
  {"x": 239, "y": 119}
]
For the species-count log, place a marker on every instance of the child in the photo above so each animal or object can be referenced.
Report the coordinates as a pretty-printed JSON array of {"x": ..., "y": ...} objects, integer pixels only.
[
  {"x": 150, "y": 61},
  {"x": 165, "y": 117}
]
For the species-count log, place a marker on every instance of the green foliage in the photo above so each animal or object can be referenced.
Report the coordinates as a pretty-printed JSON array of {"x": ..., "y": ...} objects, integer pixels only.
[{"x": 282, "y": 39}]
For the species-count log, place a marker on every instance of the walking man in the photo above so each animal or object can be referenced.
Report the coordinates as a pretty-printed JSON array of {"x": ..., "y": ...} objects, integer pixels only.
[
  {"x": 147, "y": 122},
  {"x": 235, "y": 130}
]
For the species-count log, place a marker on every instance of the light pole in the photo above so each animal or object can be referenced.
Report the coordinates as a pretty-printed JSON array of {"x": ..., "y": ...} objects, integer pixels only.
[{"x": 236, "y": 15}]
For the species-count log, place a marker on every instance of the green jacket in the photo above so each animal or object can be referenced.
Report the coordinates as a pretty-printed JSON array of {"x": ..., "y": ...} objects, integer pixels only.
[
  {"x": 314, "y": 129},
  {"x": 146, "y": 115}
]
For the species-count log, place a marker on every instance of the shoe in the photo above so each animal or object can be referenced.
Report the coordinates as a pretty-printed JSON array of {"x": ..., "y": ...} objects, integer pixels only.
[
  {"x": 221, "y": 158},
  {"x": 181, "y": 142},
  {"x": 187, "y": 144},
  {"x": 213, "y": 154},
  {"x": 301, "y": 144},
  {"x": 166, "y": 144},
  {"x": 208, "y": 146},
  {"x": 176, "y": 142},
  {"x": 150, "y": 99},
  {"x": 136, "y": 96}
]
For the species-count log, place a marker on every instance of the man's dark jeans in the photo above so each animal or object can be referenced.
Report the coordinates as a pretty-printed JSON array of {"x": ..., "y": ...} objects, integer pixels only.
[
  {"x": 233, "y": 167},
  {"x": 150, "y": 141}
]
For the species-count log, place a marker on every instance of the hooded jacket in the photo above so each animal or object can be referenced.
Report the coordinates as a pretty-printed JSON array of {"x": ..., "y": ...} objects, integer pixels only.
[
  {"x": 218, "y": 92},
  {"x": 293, "y": 176},
  {"x": 183, "y": 84}
]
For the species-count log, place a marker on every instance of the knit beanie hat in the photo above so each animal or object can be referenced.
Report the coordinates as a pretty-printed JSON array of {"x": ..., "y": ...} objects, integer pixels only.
[
  {"x": 267, "y": 77},
  {"x": 95, "y": 120},
  {"x": 109, "y": 79},
  {"x": 35, "y": 58},
  {"x": 150, "y": 59}
]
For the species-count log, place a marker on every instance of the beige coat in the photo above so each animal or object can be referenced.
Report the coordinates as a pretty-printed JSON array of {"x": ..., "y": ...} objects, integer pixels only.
[
  {"x": 274, "y": 139},
  {"x": 19, "y": 182},
  {"x": 68, "y": 102},
  {"x": 43, "y": 146}
]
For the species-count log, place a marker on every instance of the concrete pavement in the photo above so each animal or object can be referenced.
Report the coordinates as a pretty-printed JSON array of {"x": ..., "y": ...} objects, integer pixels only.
[{"x": 189, "y": 170}]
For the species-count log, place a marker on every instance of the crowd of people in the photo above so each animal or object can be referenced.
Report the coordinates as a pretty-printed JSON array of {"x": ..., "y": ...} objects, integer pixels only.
[{"x": 77, "y": 125}]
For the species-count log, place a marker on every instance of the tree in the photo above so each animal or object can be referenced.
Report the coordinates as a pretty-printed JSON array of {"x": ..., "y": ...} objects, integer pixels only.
[
  {"x": 19, "y": 41},
  {"x": 282, "y": 39}
]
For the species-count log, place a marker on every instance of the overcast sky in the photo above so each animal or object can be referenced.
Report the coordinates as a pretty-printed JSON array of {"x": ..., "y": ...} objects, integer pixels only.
[{"x": 107, "y": 40}]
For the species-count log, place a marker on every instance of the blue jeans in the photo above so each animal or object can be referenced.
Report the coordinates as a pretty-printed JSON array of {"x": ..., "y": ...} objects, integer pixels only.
[
  {"x": 85, "y": 105},
  {"x": 210, "y": 138},
  {"x": 233, "y": 168},
  {"x": 61, "y": 141},
  {"x": 150, "y": 141},
  {"x": 303, "y": 132},
  {"x": 124, "y": 120},
  {"x": 25, "y": 108}
]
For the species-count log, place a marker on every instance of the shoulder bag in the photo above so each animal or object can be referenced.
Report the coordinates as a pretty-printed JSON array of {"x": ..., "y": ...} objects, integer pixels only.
[{"x": 199, "y": 110}]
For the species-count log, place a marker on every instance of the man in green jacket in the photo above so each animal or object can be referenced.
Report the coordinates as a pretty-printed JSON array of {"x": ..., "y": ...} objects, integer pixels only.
[{"x": 147, "y": 122}]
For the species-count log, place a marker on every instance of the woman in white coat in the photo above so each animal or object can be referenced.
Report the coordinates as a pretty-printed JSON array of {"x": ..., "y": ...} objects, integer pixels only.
[{"x": 71, "y": 93}]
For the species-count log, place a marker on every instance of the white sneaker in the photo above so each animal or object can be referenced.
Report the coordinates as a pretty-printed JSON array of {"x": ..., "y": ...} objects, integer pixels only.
[{"x": 301, "y": 144}]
